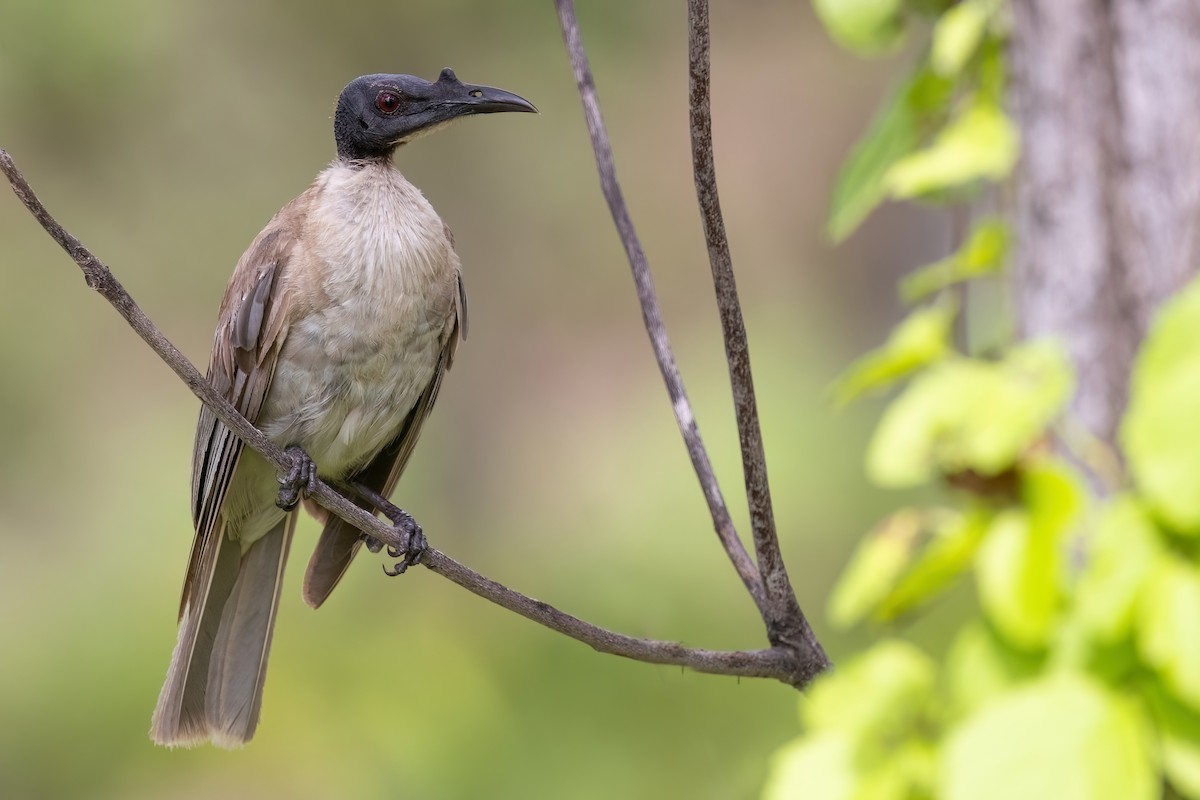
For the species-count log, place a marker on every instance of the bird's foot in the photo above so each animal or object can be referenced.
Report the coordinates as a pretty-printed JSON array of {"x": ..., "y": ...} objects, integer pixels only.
[
  {"x": 411, "y": 536},
  {"x": 415, "y": 545},
  {"x": 300, "y": 479}
]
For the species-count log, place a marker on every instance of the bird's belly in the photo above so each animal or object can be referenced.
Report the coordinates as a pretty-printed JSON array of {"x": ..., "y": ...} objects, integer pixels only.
[
  {"x": 341, "y": 407},
  {"x": 345, "y": 380}
]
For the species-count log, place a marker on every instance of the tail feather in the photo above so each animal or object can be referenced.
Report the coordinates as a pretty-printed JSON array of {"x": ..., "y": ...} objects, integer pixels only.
[
  {"x": 214, "y": 685},
  {"x": 238, "y": 668},
  {"x": 335, "y": 550}
]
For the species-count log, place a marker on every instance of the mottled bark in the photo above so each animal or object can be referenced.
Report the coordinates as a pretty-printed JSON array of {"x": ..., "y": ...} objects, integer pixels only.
[{"x": 1107, "y": 96}]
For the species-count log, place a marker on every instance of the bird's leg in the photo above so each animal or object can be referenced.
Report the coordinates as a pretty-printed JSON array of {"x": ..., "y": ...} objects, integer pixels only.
[
  {"x": 300, "y": 479},
  {"x": 410, "y": 532}
]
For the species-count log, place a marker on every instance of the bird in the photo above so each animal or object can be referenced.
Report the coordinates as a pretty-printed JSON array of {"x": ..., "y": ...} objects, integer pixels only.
[{"x": 333, "y": 336}]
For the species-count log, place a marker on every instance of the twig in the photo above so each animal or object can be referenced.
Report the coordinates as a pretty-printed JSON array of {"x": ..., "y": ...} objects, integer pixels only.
[
  {"x": 777, "y": 662},
  {"x": 785, "y": 620},
  {"x": 651, "y": 314}
]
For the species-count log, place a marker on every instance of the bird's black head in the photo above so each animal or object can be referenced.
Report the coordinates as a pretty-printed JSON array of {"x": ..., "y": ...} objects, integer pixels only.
[{"x": 377, "y": 113}]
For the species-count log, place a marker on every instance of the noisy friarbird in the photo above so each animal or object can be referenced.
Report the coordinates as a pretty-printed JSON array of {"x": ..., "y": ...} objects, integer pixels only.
[{"x": 333, "y": 336}]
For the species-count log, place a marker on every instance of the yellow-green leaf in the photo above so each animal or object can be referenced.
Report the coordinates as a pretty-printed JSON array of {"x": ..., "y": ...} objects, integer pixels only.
[
  {"x": 981, "y": 665},
  {"x": 815, "y": 766},
  {"x": 1020, "y": 563},
  {"x": 980, "y": 144},
  {"x": 1055, "y": 497},
  {"x": 983, "y": 253},
  {"x": 1169, "y": 626},
  {"x": 1019, "y": 580},
  {"x": 957, "y": 35},
  {"x": 868, "y": 731},
  {"x": 873, "y": 568},
  {"x": 917, "y": 105},
  {"x": 921, "y": 339},
  {"x": 1062, "y": 738},
  {"x": 966, "y": 414},
  {"x": 1178, "y": 729},
  {"x": 881, "y": 690},
  {"x": 1118, "y": 558},
  {"x": 1162, "y": 427},
  {"x": 948, "y": 554},
  {"x": 867, "y": 27},
  {"x": 906, "y": 769}
]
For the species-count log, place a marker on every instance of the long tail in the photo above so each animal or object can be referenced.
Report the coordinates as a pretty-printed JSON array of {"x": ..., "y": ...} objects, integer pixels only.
[{"x": 214, "y": 685}]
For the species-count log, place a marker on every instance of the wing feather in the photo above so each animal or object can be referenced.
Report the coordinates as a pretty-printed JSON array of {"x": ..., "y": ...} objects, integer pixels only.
[{"x": 250, "y": 332}]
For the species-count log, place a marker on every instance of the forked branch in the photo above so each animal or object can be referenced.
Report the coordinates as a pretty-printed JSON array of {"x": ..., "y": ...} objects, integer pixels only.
[
  {"x": 651, "y": 314},
  {"x": 795, "y": 656},
  {"x": 785, "y": 622},
  {"x": 776, "y": 663}
]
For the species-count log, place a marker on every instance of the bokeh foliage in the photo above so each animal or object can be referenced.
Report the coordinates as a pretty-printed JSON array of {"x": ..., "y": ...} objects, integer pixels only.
[{"x": 1079, "y": 674}]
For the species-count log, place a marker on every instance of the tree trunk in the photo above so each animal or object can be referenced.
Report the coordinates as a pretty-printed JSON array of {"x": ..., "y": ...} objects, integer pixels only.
[{"x": 1107, "y": 97}]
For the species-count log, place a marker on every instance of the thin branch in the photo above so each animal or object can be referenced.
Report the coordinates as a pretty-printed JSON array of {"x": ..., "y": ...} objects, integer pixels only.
[
  {"x": 785, "y": 620},
  {"x": 779, "y": 663},
  {"x": 651, "y": 314}
]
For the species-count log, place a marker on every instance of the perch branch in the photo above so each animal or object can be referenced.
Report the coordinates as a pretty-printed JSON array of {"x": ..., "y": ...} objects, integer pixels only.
[
  {"x": 785, "y": 621},
  {"x": 651, "y": 314},
  {"x": 777, "y": 662}
]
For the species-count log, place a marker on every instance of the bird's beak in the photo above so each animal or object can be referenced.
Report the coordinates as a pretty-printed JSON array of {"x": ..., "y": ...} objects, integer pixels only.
[{"x": 459, "y": 99}]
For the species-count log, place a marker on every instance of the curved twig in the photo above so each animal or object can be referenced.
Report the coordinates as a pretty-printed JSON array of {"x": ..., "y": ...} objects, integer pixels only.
[
  {"x": 777, "y": 662},
  {"x": 772, "y": 592},
  {"x": 786, "y": 622},
  {"x": 651, "y": 314}
]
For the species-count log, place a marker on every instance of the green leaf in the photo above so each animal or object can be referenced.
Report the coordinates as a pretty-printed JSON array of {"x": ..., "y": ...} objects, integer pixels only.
[
  {"x": 827, "y": 767},
  {"x": 921, "y": 339},
  {"x": 877, "y": 561},
  {"x": 908, "y": 770},
  {"x": 867, "y": 27},
  {"x": 1169, "y": 626},
  {"x": 1162, "y": 427},
  {"x": 980, "y": 144},
  {"x": 992, "y": 73},
  {"x": 930, "y": 8},
  {"x": 1018, "y": 581},
  {"x": 815, "y": 766},
  {"x": 1062, "y": 738},
  {"x": 878, "y": 692},
  {"x": 918, "y": 105},
  {"x": 1119, "y": 556},
  {"x": 867, "y": 731},
  {"x": 981, "y": 665},
  {"x": 1055, "y": 497},
  {"x": 957, "y": 35},
  {"x": 947, "y": 556},
  {"x": 1019, "y": 564},
  {"x": 1179, "y": 739},
  {"x": 965, "y": 414},
  {"x": 984, "y": 252}
]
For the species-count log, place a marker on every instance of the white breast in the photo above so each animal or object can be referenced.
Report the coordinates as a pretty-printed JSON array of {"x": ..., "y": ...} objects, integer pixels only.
[{"x": 351, "y": 371}]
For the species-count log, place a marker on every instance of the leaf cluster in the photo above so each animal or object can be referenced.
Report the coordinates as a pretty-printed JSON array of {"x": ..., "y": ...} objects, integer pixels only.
[{"x": 1079, "y": 675}]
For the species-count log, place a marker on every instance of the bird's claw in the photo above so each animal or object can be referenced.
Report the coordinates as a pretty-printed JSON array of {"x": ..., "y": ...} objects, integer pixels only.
[
  {"x": 299, "y": 481},
  {"x": 407, "y": 530},
  {"x": 415, "y": 544}
]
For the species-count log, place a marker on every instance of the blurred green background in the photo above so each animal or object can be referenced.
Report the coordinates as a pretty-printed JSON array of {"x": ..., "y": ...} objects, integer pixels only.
[{"x": 165, "y": 134}]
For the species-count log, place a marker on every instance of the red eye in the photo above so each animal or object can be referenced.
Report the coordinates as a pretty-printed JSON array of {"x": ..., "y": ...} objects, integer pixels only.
[{"x": 387, "y": 102}]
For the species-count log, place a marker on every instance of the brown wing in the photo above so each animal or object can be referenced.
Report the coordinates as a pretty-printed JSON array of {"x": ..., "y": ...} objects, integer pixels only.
[
  {"x": 251, "y": 328},
  {"x": 340, "y": 540}
]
